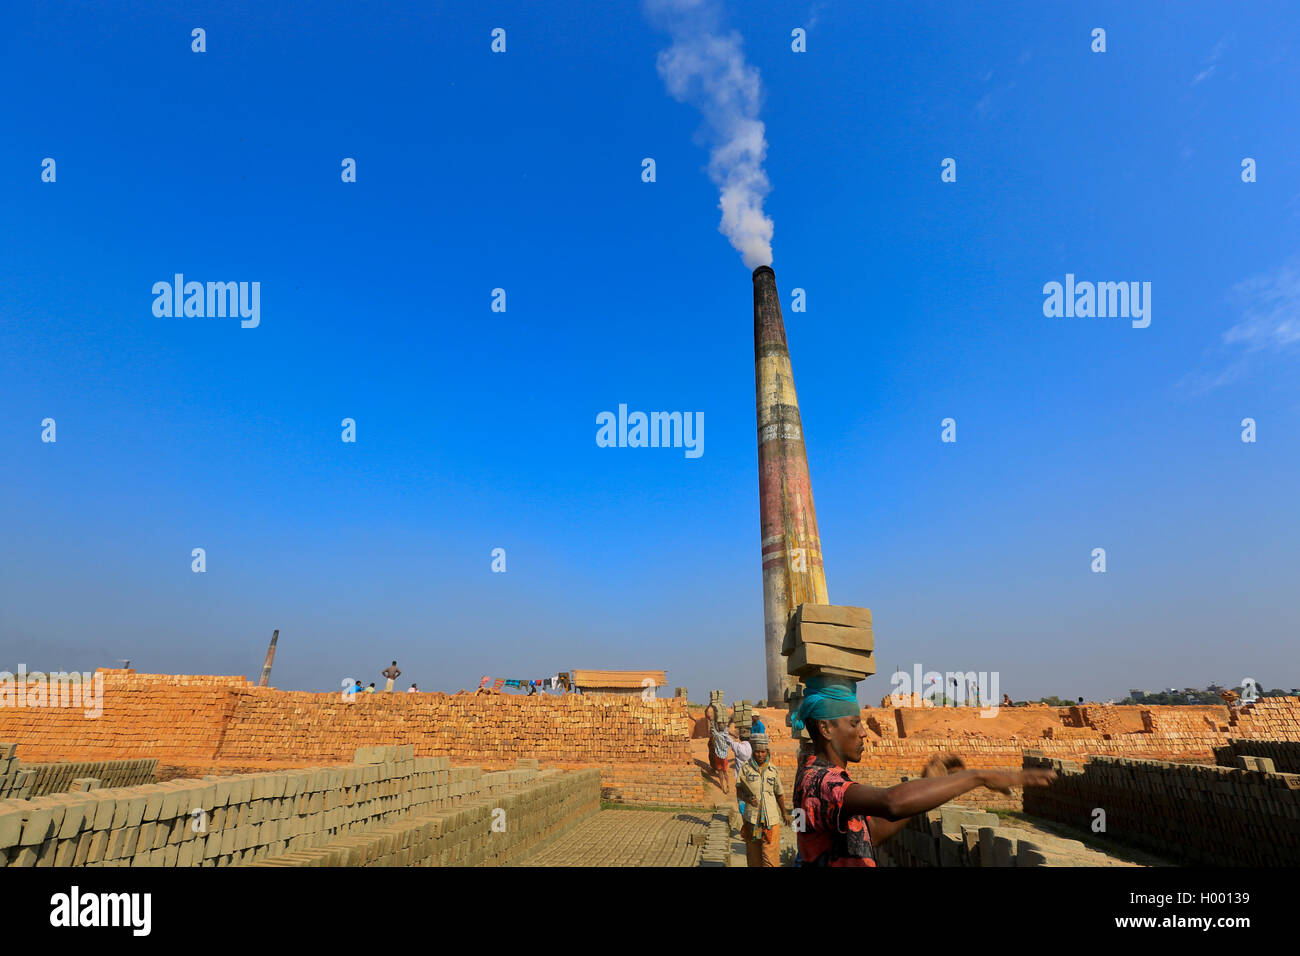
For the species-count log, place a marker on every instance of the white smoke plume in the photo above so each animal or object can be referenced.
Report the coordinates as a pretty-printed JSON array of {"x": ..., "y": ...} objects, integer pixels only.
[{"x": 706, "y": 68}]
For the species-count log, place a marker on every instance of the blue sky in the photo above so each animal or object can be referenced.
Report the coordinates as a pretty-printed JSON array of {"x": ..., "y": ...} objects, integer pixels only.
[{"x": 476, "y": 429}]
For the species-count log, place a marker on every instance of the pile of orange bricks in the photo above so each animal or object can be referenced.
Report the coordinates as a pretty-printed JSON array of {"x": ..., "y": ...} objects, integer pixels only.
[
  {"x": 1099, "y": 717},
  {"x": 1275, "y": 718},
  {"x": 881, "y": 722},
  {"x": 173, "y": 680},
  {"x": 289, "y": 725},
  {"x": 1179, "y": 723},
  {"x": 641, "y": 784},
  {"x": 139, "y": 719},
  {"x": 195, "y": 718}
]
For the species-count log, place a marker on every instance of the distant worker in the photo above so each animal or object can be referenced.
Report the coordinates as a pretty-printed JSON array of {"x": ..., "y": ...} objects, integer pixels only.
[
  {"x": 845, "y": 821},
  {"x": 719, "y": 748},
  {"x": 353, "y": 689},
  {"x": 743, "y": 750},
  {"x": 412, "y": 689},
  {"x": 391, "y": 673},
  {"x": 371, "y": 688},
  {"x": 760, "y": 785},
  {"x": 756, "y": 727},
  {"x": 1006, "y": 701}
]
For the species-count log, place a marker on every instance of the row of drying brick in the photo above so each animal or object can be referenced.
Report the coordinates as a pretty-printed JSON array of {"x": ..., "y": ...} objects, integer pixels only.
[
  {"x": 1285, "y": 754},
  {"x": 497, "y": 830},
  {"x": 717, "y": 842},
  {"x": 1190, "y": 814},
  {"x": 222, "y": 821},
  {"x": 954, "y": 836},
  {"x": 23, "y": 780}
]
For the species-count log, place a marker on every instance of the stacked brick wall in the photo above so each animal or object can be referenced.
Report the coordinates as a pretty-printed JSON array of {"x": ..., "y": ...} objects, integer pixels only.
[
  {"x": 674, "y": 785},
  {"x": 882, "y": 723},
  {"x": 1105, "y": 720},
  {"x": 224, "y": 821},
  {"x": 180, "y": 718},
  {"x": 1182, "y": 723},
  {"x": 291, "y": 725},
  {"x": 182, "y": 680},
  {"x": 1269, "y": 718},
  {"x": 140, "y": 718},
  {"x": 23, "y": 780},
  {"x": 1285, "y": 754},
  {"x": 1200, "y": 815}
]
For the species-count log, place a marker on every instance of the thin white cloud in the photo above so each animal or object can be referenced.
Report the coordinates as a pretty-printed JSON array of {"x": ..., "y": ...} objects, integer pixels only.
[
  {"x": 1211, "y": 63},
  {"x": 814, "y": 17},
  {"x": 1267, "y": 328},
  {"x": 1270, "y": 311}
]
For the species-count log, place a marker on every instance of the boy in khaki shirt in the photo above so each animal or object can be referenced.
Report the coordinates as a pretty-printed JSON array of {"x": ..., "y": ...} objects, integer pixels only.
[{"x": 759, "y": 784}]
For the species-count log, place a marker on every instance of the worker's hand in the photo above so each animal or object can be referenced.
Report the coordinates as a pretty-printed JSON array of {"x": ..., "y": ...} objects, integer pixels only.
[
  {"x": 940, "y": 765},
  {"x": 1002, "y": 781}
]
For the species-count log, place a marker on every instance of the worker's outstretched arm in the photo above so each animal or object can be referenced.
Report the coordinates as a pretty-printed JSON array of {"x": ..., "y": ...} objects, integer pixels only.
[
  {"x": 917, "y": 796},
  {"x": 940, "y": 765}
]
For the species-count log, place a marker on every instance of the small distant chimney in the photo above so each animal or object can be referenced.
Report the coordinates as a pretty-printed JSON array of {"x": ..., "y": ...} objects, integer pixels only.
[{"x": 270, "y": 657}]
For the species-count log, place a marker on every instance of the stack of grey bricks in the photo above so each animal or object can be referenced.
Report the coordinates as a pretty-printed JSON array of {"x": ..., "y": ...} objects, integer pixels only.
[
  {"x": 526, "y": 811},
  {"x": 954, "y": 836},
  {"x": 242, "y": 819},
  {"x": 23, "y": 780},
  {"x": 717, "y": 842},
  {"x": 1187, "y": 813},
  {"x": 1284, "y": 755}
]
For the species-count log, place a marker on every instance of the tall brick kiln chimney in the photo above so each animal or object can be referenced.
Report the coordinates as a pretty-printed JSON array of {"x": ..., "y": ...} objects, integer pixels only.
[
  {"x": 270, "y": 658},
  {"x": 792, "y": 553}
]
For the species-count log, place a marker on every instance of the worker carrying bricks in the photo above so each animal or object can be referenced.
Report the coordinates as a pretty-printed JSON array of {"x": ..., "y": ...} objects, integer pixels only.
[
  {"x": 759, "y": 786},
  {"x": 391, "y": 673},
  {"x": 844, "y": 821},
  {"x": 719, "y": 748},
  {"x": 743, "y": 752}
]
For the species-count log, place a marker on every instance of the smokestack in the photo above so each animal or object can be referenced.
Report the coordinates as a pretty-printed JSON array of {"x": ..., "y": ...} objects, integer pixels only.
[
  {"x": 792, "y": 553},
  {"x": 270, "y": 657}
]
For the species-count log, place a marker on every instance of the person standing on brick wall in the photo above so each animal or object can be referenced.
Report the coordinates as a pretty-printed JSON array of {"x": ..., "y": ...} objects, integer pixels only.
[
  {"x": 391, "y": 673},
  {"x": 760, "y": 785},
  {"x": 843, "y": 820}
]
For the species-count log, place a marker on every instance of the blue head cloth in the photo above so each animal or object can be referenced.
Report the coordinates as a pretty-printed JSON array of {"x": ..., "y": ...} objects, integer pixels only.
[{"x": 825, "y": 698}]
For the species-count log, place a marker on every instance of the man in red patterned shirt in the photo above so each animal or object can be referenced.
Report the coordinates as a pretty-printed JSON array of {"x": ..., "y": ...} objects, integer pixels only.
[{"x": 844, "y": 820}]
